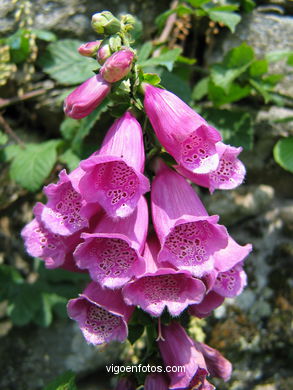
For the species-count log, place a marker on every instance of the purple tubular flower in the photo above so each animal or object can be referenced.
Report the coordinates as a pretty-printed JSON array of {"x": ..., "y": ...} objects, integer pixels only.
[
  {"x": 54, "y": 249},
  {"x": 231, "y": 278},
  {"x": 217, "y": 365},
  {"x": 114, "y": 177},
  {"x": 229, "y": 173},
  {"x": 101, "y": 314},
  {"x": 117, "y": 66},
  {"x": 112, "y": 254},
  {"x": 210, "y": 302},
  {"x": 89, "y": 49},
  {"x": 156, "y": 381},
  {"x": 188, "y": 236},
  {"x": 227, "y": 280},
  {"x": 182, "y": 132},
  {"x": 66, "y": 212},
  {"x": 85, "y": 98},
  {"x": 178, "y": 349},
  {"x": 158, "y": 288}
]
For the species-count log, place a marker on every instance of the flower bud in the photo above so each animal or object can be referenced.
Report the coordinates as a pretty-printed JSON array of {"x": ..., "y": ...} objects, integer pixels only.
[
  {"x": 89, "y": 49},
  {"x": 85, "y": 98},
  {"x": 117, "y": 66},
  {"x": 103, "y": 53},
  {"x": 105, "y": 23}
]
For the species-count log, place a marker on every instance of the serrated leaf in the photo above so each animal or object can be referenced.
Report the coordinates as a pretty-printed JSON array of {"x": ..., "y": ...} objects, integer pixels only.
[
  {"x": 65, "y": 381},
  {"x": 144, "y": 52},
  {"x": 283, "y": 153},
  {"x": 166, "y": 59},
  {"x": 201, "y": 89},
  {"x": 229, "y": 19},
  {"x": 32, "y": 165},
  {"x": 65, "y": 65},
  {"x": 235, "y": 126}
]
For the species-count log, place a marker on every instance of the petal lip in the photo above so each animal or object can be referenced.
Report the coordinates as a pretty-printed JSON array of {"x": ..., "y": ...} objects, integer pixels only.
[{"x": 92, "y": 193}]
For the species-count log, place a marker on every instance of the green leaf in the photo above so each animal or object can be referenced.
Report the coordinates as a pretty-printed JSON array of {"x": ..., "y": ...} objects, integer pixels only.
[
  {"x": 258, "y": 68},
  {"x": 176, "y": 85},
  {"x": 19, "y": 46},
  {"x": 32, "y": 165},
  {"x": 261, "y": 88},
  {"x": 166, "y": 59},
  {"x": 201, "y": 89},
  {"x": 144, "y": 52},
  {"x": 44, "y": 314},
  {"x": 219, "y": 96},
  {"x": 44, "y": 35},
  {"x": 235, "y": 126},
  {"x": 239, "y": 56},
  {"x": 229, "y": 19},
  {"x": 24, "y": 304},
  {"x": 197, "y": 3},
  {"x": 290, "y": 60},
  {"x": 235, "y": 62},
  {"x": 65, "y": 65},
  {"x": 283, "y": 153},
  {"x": 161, "y": 19},
  {"x": 65, "y": 381},
  {"x": 70, "y": 159},
  {"x": 248, "y": 5},
  {"x": 3, "y": 138},
  {"x": 151, "y": 78},
  {"x": 134, "y": 332},
  {"x": 9, "y": 276},
  {"x": 9, "y": 152}
]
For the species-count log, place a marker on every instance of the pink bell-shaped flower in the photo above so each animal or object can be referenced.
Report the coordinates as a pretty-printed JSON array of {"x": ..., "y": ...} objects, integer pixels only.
[
  {"x": 182, "y": 132},
  {"x": 101, "y": 314},
  {"x": 178, "y": 349},
  {"x": 112, "y": 253},
  {"x": 114, "y": 176},
  {"x": 229, "y": 173},
  {"x": 55, "y": 250},
  {"x": 66, "y": 212},
  {"x": 159, "y": 287},
  {"x": 85, "y": 98},
  {"x": 156, "y": 381},
  {"x": 189, "y": 237}
]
